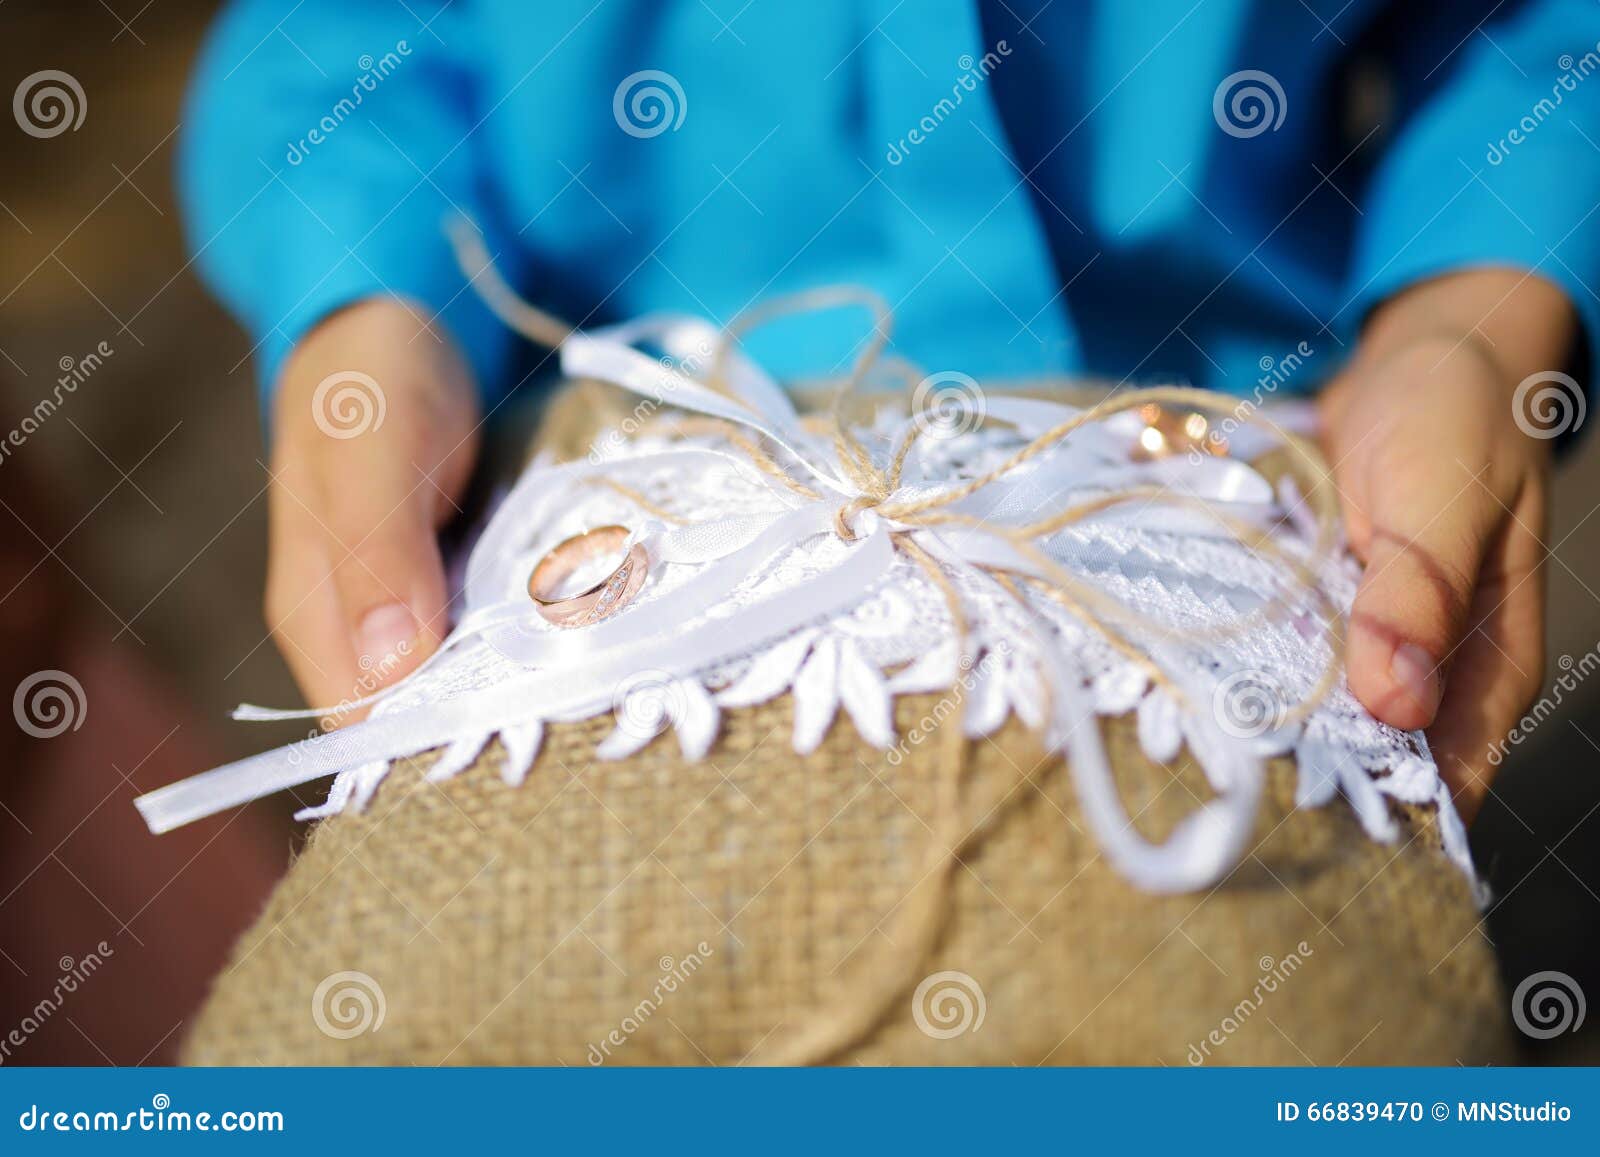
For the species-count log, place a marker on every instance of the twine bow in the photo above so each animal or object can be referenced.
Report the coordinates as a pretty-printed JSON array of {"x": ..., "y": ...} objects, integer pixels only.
[
  {"x": 863, "y": 484},
  {"x": 865, "y": 502},
  {"x": 878, "y": 488}
]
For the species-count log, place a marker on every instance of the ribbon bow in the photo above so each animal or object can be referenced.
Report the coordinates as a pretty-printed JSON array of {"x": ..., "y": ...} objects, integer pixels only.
[{"x": 831, "y": 482}]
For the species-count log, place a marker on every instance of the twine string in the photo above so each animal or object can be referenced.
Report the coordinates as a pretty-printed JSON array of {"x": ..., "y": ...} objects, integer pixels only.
[{"x": 925, "y": 911}]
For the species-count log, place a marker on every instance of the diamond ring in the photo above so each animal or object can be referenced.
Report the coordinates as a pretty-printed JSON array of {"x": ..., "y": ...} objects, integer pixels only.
[{"x": 578, "y": 557}]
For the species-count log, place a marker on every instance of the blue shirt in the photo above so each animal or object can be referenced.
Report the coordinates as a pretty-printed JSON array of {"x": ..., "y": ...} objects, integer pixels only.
[{"x": 1216, "y": 191}]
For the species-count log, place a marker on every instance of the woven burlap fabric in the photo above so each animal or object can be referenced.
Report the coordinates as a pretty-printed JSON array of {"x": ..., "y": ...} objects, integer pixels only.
[
  {"x": 526, "y": 925},
  {"x": 709, "y": 912}
]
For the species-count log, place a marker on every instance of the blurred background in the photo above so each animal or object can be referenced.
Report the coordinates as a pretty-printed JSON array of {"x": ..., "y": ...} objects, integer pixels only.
[{"x": 131, "y": 569}]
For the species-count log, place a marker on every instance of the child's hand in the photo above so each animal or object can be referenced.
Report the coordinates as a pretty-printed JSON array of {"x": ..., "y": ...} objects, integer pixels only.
[
  {"x": 1445, "y": 500},
  {"x": 364, "y": 472}
]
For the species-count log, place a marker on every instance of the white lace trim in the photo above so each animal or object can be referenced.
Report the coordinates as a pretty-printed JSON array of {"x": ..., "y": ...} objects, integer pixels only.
[
  {"x": 751, "y": 593},
  {"x": 898, "y": 639}
]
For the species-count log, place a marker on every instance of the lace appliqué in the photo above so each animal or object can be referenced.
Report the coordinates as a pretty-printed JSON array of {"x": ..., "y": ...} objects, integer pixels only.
[{"x": 898, "y": 639}]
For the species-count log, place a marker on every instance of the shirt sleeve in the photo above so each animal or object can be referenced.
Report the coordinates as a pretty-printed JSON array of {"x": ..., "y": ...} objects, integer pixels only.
[
  {"x": 1500, "y": 166},
  {"x": 324, "y": 147}
]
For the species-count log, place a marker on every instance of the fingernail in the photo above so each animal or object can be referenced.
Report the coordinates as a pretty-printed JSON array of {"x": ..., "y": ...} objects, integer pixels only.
[
  {"x": 384, "y": 632},
  {"x": 1415, "y": 671}
]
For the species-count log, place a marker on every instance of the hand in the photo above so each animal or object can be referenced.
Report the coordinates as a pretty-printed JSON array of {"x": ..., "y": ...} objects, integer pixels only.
[
  {"x": 365, "y": 469},
  {"x": 1445, "y": 501}
]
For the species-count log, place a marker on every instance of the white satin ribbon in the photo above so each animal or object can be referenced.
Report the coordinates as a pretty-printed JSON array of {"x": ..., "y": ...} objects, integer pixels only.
[
  {"x": 1204, "y": 846},
  {"x": 603, "y": 357},
  {"x": 546, "y": 692},
  {"x": 682, "y": 632},
  {"x": 1206, "y": 843},
  {"x": 634, "y": 630}
]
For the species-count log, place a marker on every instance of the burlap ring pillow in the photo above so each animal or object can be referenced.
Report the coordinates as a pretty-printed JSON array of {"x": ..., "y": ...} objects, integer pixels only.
[{"x": 760, "y": 905}]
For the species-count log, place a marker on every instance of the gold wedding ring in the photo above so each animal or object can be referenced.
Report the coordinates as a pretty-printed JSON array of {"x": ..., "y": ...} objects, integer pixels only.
[{"x": 605, "y": 597}]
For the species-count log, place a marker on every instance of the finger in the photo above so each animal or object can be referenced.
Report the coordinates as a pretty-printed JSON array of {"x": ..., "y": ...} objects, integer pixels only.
[
  {"x": 1351, "y": 482},
  {"x": 380, "y": 513},
  {"x": 357, "y": 580},
  {"x": 302, "y": 608},
  {"x": 1499, "y": 667},
  {"x": 375, "y": 430},
  {"x": 1431, "y": 521}
]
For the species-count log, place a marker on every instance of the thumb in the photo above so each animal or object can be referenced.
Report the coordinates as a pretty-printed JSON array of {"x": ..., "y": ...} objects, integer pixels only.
[
  {"x": 387, "y": 568},
  {"x": 375, "y": 433},
  {"x": 383, "y": 496},
  {"x": 1431, "y": 522}
]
